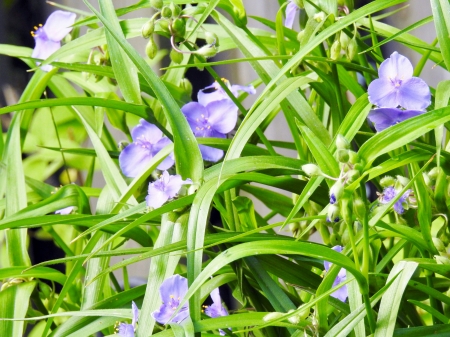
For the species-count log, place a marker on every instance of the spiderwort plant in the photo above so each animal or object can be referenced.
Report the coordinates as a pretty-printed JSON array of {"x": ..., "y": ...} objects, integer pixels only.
[
  {"x": 172, "y": 291},
  {"x": 165, "y": 188},
  {"x": 48, "y": 36},
  {"x": 216, "y": 309},
  {"x": 342, "y": 292}
]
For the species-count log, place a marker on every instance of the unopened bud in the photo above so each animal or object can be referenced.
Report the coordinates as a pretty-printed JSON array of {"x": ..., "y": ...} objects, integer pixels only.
[
  {"x": 299, "y": 3},
  {"x": 439, "y": 245},
  {"x": 344, "y": 40},
  {"x": 333, "y": 213},
  {"x": 166, "y": 12},
  {"x": 387, "y": 181},
  {"x": 403, "y": 180},
  {"x": 442, "y": 259},
  {"x": 151, "y": 49},
  {"x": 319, "y": 17},
  {"x": 359, "y": 208},
  {"x": 300, "y": 35},
  {"x": 352, "y": 176},
  {"x": 353, "y": 157},
  {"x": 179, "y": 27},
  {"x": 164, "y": 25},
  {"x": 434, "y": 172},
  {"x": 426, "y": 179},
  {"x": 336, "y": 191},
  {"x": 293, "y": 319},
  {"x": 186, "y": 85},
  {"x": 158, "y": 4},
  {"x": 335, "y": 50},
  {"x": 272, "y": 315},
  {"x": 176, "y": 56},
  {"x": 294, "y": 227},
  {"x": 335, "y": 239},
  {"x": 311, "y": 170},
  {"x": 352, "y": 49},
  {"x": 207, "y": 51},
  {"x": 212, "y": 38},
  {"x": 176, "y": 10},
  {"x": 147, "y": 29},
  {"x": 343, "y": 156},
  {"x": 342, "y": 142}
]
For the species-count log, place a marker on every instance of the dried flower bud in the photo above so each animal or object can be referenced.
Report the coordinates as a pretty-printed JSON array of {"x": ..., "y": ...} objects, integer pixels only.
[
  {"x": 335, "y": 50},
  {"x": 387, "y": 181},
  {"x": 342, "y": 142},
  {"x": 311, "y": 170},
  {"x": 166, "y": 12},
  {"x": 147, "y": 29},
  {"x": 207, "y": 51},
  {"x": 158, "y": 4},
  {"x": 151, "y": 49}
]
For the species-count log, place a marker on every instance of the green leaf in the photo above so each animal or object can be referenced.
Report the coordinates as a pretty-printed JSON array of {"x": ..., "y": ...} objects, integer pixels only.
[{"x": 441, "y": 10}]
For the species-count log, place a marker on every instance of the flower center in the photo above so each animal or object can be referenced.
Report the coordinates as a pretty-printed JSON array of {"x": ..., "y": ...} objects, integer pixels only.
[
  {"x": 396, "y": 82},
  {"x": 203, "y": 124},
  {"x": 37, "y": 30},
  {"x": 174, "y": 302},
  {"x": 144, "y": 143}
]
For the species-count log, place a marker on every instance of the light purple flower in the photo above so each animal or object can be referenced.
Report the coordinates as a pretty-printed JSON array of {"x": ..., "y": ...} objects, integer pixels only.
[
  {"x": 383, "y": 118},
  {"x": 216, "y": 309},
  {"x": 148, "y": 140},
  {"x": 390, "y": 193},
  {"x": 342, "y": 292},
  {"x": 165, "y": 188},
  {"x": 48, "y": 37},
  {"x": 127, "y": 330},
  {"x": 65, "y": 211},
  {"x": 291, "y": 11},
  {"x": 396, "y": 86},
  {"x": 215, "y": 115},
  {"x": 172, "y": 291}
]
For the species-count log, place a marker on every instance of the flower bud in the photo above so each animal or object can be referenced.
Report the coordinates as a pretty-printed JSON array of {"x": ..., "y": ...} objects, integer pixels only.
[
  {"x": 344, "y": 40},
  {"x": 442, "y": 259},
  {"x": 352, "y": 176},
  {"x": 179, "y": 27},
  {"x": 352, "y": 49},
  {"x": 319, "y": 17},
  {"x": 359, "y": 167},
  {"x": 294, "y": 227},
  {"x": 333, "y": 213},
  {"x": 439, "y": 245},
  {"x": 311, "y": 170},
  {"x": 335, "y": 50},
  {"x": 343, "y": 156},
  {"x": 176, "y": 10},
  {"x": 166, "y": 12},
  {"x": 335, "y": 239},
  {"x": 164, "y": 26},
  {"x": 403, "y": 180},
  {"x": 186, "y": 86},
  {"x": 207, "y": 51},
  {"x": 387, "y": 181},
  {"x": 434, "y": 172},
  {"x": 212, "y": 38},
  {"x": 147, "y": 29},
  {"x": 353, "y": 157},
  {"x": 293, "y": 319},
  {"x": 426, "y": 179},
  {"x": 176, "y": 56},
  {"x": 342, "y": 143},
  {"x": 336, "y": 192},
  {"x": 158, "y": 4},
  {"x": 151, "y": 49},
  {"x": 300, "y": 35},
  {"x": 272, "y": 315},
  {"x": 359, "y": 208}
]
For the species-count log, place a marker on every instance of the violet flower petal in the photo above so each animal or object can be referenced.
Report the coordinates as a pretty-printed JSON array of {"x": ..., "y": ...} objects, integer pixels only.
[
  {"x": 415, "y": 94},
  {"x": 135, "y": 312},
  {"x": 168, "y": 162},
  {"x": 133, "y": 159},
  {"x": 163, "y": 189},
  {"x": 146, "y": 132},
  {"x": 396, "y": 66},
  {"x": 65, "y": 211},
  {"x": 383, "y": 118},
  {"x": 58, "y": 25},
  {"x": 291, "y": 11},
  {"x": 222, "y": 115},
  {"x": 342, "y": 292},
  {"x": 195, "y": 114},
  {"x": 249, "y": 89},
  {"x": 43, "y": 49},
  {"x": 126, "y": 330},
  {"x": 383, "y": 94}
]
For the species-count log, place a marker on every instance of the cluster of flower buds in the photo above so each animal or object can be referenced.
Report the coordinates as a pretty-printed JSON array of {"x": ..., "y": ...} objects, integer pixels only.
[{"x": 172, "y": 21}]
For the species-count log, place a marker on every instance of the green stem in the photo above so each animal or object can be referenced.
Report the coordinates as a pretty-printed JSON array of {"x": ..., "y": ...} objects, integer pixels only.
[{"x": 370, "y": 314}]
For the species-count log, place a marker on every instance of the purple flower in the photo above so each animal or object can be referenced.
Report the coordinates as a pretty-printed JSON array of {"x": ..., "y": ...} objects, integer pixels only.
[
  {"x": 214, "y": 116},
  {"x": 48, "y": 37},
  {"x": 216, "y": 309},
  {"x": 65, "y": 211},
  {"x": 383, "y": 118},
  {"x": 342, "y": 292},
  {"x": 396, "y": 86},
  {"x": 390, "y": 193},
  {"x": 127, "y": 330},
  {"x": 163, "y": 189},
  {"x": 172, "y": 292},
  {"x": 148, "y": 140},
  {"x": 291, "y": 11}
]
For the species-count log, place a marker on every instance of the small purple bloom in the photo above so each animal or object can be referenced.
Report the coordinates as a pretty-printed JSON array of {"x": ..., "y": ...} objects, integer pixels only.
[
  {"x": 148, "y": 140},
  {"x": 342, "y": 292},
  {"x": 165, "y": 188},
  {"x": 172, "y": 292},
  {"x": 390, "y": 193},
  {"x": 291, "y": 11},
  {"x": 48, "y": 37},
  {"x": 65, "y": 211},
  {"x": 396, "y": 86},
  {"x": 383, "y": 118},
  {"x": 216, "y": 309},
  {"x": 127, "y": 330},
  {"x": 332, "y": 199},
  {"x": 205, "y": 97}
]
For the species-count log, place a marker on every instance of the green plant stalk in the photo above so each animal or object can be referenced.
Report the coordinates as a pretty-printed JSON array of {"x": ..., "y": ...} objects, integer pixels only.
[{"x": 338, "y": 93}]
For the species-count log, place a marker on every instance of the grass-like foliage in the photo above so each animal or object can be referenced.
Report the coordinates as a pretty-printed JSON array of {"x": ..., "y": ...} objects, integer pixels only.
[{"x": 353, "y": 236}]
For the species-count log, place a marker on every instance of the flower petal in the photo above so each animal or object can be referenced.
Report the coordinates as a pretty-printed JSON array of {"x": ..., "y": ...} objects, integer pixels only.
[
  {"x": 58, "y": 25},
  {"x": 133, "y": 159},
  {"x": 175, "y": 285},
  {"x": 65, "y": 211},
  {"x": 383, "y": 93},
  {"x": 126, "y": 330},
  {"x": 43, "y": 49},
  {"x": 249, "y": 89},
  {"x": 222, "y": 115},
  {"x": 204, "y": 98},
  {"x": 193, "y": 112},
  {"x": 341, "y": 293},
  {"x": 386, "y": 117},
  {"x": 414, "y": 94},
  {"x": 291, "y": 10},
  {"x": 135, "y": 312},
  {"x": 211, "y": 154},
  {"x": 146, "y": 131},
  {"x": 396, "y": 67},
  {"x": 168, "y": 162},
  {"x": 155, "y": 198}
]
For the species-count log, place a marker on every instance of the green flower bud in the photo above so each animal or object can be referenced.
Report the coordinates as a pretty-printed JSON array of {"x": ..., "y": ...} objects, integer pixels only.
[
  {"x": 186, "y": 86},
  {"x": 335, "y": 239},
  {"x": 333, "y": 213},
  {"x": 311, "y": 170},
  {"x": 387, "y": 181},
  {"x": 359, "y": 208},
  {"x": 158, "y": 4},
  {"x": 147, "y": 29},
  {"x": 344, "y": 40},
  {"x": 426, "y": 179},
  {"x": 403, "y": 180},
  {"x": 352, "y": 176},
  {"x": 164, "y": 25},
  {"x": 176, "y": 56},
  {"x": 335, "y": 51},
  {"x": 345, "y": 238},
  {"x": 434, "y": 172},
  {"x": 99, "y": 59},
  {"x": 442, "y": 259},
  {"x": 166, "y": 12},
  {"x": 179, "y": 27},
  {"x": 151, "y": 49},
  {"x": 319, "y": 17},
  {"x": 212, "y": 38},
  {"x": 98, "y": 78},
  {"x": 294, "y": 227},
  {"x": 272, "y": 315},
  {"x": 207, "y": 51},
  {"x": 353, "y": 157},
  {"x": 300, "y": 35},
  {"x": 444, "y": 238},
  {"x": 352, "y": 49},
  {"x": 439, "y": 245},
  {"x": 336, "y": 191},
  {"x": 342, "y": 142},
  {"x": 293, "y": 319},
  {"x": 359, "y": 166},
  {"x": 176, "y": 10},
  {"x": 343, "y": 156}
]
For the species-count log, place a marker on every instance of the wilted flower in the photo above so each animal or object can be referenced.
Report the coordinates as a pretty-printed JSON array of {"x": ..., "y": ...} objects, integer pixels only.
[
  {"x": 383, "y": 118},
  {"x": 291, "y": 11},
  {"x": 172, "y": 292},
  {"x": 342, "y": 292},
  {"x": 396, "y": 86},
  {"x": 163, "y": 189},
  {"x": 48, "y": 37},
  {"x": 127, "y": 330},
  {"x": 148, "y": 140},
  {"x": 216, "y": 309},
  {"x": 390, "y": 193},
  {"x": 214, "y": 115},
  {"x": 65, "y": 211}
]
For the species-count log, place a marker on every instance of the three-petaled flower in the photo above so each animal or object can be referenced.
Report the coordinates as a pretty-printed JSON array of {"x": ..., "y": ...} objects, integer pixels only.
[
  {"x": 127, "y": 330},
  {"x": 48, "y": 37},
  {"x": 165, "y": 188},
  {"x": 215, "y": 115},
  {"x": 397, "y": 87},
  {"x": 148, "y": 140},
  {"x": 390, "y": 193},
  {"x": 342, "y": 292},
  {"x": 216, "y": 309}
]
